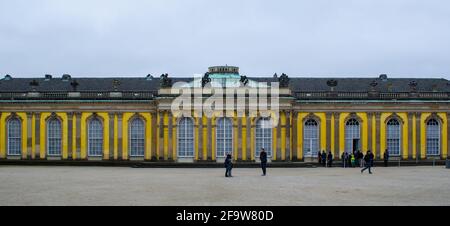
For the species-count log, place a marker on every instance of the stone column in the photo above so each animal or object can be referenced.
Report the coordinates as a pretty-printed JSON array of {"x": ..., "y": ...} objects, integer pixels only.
[
  {"x": 161, "y": 135},
  {"x": 78, "y": 136},
  {"x": 119, "y": 135},
  {"x": 111, "y": 135},
  {"x": 29, "y": 134},
  {"x": 250, "y": 138},
  {"x": 410, "y": 135},
  {"x": 200, "y": 138},
  {"x": 418, "y": 130},
  {"x": 155, "y": 135},
  {"x": 278, "y": 137},
  {"x": 239, "y": 139},
  {"x": 69, "y": 135},
  {"x": 336, "y": 134},
  {"x": 328, "y": 132},
  {"x": 209, "y": 152},
  {"x": 378, "y": 136},
  {"x": 288, "y": 135},
  {"x": 294, "y": 136},
  {"x": 37, "y": 121},
  {"x": 170, "y": 134}
]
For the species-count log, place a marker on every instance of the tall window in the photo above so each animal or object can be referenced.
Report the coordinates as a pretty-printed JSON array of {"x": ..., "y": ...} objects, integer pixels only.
[
  {"x": 264, "y": 136},
  {"x": 224, "y": 137},
  {"x": 14, "y": 137},
  {"x": 137, "y": 137},
  {"x": 433, "y": 137},
  {"x": 186, "y": 137},
  {"x": 352, "y": 135},
  {"x": 95, "y": 133},
  {"x": 54, "y": 137},
  {"x": 311, "y": 138},
  {"x": 393, "y": 136}
]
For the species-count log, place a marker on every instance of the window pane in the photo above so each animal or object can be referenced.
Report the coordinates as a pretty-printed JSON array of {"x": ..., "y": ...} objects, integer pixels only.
[
  {"x": 352, "y": 133},
  {"x": 137, "y": 137},
  {"x": 54, "y": 137},
  {"x": 393, "y": 137},
  {"x": 263, "y": 136},
  {"x": 14, "y": 137},
  {"x": 224, "y": 137},
  {"x": 95, "y": 133},
  {"x": 433, "y": 137},
  {"x": 311, "y": 138},
  {"x": 186, "y": 137}
]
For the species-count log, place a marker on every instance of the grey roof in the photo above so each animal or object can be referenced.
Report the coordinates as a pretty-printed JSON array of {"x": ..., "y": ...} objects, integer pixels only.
[
  {"x": 84, "y": 85},
  {"x": 297, "y": 85},
  {"x": 365, "y": 85}
]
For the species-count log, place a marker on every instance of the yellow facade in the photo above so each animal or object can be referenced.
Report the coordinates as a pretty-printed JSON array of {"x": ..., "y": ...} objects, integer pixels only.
[{"x": 37, "y": 149}]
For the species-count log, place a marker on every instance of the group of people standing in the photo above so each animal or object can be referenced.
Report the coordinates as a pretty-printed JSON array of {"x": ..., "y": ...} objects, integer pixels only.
[
  {"x": 356, "y": 158},
  {"x": 325, "y": 159}
]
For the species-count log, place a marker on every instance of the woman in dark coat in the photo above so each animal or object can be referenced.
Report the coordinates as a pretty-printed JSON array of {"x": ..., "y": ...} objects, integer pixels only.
[{"x": 228, "y": 166}]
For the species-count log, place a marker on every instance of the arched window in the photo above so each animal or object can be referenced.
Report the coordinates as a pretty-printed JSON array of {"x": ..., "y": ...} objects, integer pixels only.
[
  {"x": 54, "y": 136},
  {"x": 224, "y": 137},
  {"x": 433, "y": 137},
  {"x": 95, "y": 133},
  {"x": 311, "y": 138},
  {"x": 264, "y": 136},
  {"x": 393, "y": 137},
  {"x": 137, "y": 137},
  {"x": 186, "y": 137},
  {"x": 14, "y": 137},
  {"x": 352, "y": 135}
]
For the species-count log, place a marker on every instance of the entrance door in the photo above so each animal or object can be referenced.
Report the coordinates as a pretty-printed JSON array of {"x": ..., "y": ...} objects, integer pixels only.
[{"x": 355, "y": 145}]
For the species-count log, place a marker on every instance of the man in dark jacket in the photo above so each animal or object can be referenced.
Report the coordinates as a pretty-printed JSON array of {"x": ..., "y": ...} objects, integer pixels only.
[
  {"x": 263, "y": 158},
  {"x": 228, "y": 166},
  {"x": 330, "y": 159},
  {"x": 324, "y": 158},
  {"x": 386, "y": 158},
  {"x": 369, "y": 161}
]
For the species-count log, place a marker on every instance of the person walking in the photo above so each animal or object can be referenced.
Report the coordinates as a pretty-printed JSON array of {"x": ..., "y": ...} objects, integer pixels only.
[
  {"x": 228, "y": 166},
  {"x": 319, "y": 157},
  {"x": 361, "y": 159},
  {"x": 386, "y": 158},
  {"x": 369, "y": 161},
  {"x": 263, "y": 158}
]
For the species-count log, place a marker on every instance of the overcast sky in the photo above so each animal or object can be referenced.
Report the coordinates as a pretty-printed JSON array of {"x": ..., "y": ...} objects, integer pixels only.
[{"x": 402, "y": 38}]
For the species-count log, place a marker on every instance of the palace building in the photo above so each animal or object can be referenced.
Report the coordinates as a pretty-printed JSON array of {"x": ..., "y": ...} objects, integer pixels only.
[{"x": 130, "y": 119}]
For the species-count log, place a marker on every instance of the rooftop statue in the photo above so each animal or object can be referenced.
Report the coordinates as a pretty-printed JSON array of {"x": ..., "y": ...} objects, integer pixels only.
[{"x": 165, "y": 81}]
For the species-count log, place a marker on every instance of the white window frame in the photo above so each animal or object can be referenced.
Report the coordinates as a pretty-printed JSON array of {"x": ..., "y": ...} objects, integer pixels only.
[
  {"x": 185, "y": 138},
  {"x": 49, "y": 138},
  {"x": 346, "y": 138},
  {"x": 9, "y": 137},
  {"x": 439, "y": 138},
  {"x": 311, "y": 140},
  {"x": 264, "y": 136},
  {"x": 140, "y": 153},
  {"x": 391, "y": 152},
  {"x": 225, "y": 140},
  {"x": 89, "y": 138}
]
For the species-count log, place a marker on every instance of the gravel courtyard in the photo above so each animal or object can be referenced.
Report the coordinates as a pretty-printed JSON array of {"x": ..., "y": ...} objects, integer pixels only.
[{"x": 47, "y": 185}]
